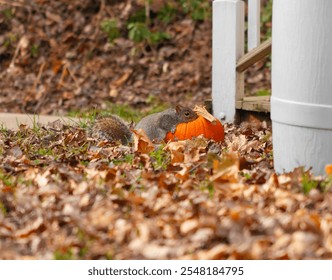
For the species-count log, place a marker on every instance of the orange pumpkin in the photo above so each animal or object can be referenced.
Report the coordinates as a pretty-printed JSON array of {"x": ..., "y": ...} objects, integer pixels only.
[{"x": 200, "y": 126}]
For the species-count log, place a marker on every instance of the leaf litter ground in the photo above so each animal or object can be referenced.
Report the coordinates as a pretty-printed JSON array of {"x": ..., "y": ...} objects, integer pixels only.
[
  {"x": 55, "y": 58},
  {"x": 66, "y": 195}
]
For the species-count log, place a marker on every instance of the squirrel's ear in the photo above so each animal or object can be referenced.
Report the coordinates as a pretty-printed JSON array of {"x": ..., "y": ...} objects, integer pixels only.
[{"x": 178, "y": 108}]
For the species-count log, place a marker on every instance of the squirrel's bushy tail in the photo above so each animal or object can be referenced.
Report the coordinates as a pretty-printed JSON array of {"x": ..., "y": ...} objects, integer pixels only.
[{"x": 111, "y": 128}]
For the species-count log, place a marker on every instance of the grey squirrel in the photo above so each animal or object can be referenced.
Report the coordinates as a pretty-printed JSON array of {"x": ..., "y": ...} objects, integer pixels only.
[{"x": 156, "y": 125}]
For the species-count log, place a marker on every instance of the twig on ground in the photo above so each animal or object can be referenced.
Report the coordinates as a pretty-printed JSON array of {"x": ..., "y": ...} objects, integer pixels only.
[{"x": 40, "y": 72}]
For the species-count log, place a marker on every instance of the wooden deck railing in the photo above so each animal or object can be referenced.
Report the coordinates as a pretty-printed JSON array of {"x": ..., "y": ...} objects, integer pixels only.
[{"x": 230, "y": 60}]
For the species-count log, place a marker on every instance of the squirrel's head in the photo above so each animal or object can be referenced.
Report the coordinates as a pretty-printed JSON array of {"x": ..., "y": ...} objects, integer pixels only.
[{"x": 186, "y": 113}]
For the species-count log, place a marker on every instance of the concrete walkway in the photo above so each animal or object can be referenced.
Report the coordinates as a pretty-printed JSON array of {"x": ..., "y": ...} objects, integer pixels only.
[{"x": 12, "y": 121}]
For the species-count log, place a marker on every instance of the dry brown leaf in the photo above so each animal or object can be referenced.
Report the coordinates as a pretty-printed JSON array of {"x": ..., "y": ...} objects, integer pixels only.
[
  {"x": 30, "y": 228},
  {"x": 201, "y": 111},
  {"x": 183, "y": 174},
  {"x": 16, "y": 152},
  {"x": 187, "y": 151},
  {"x": 189, "y": 226},
  {"x": 227, "y": 169},
  {"x": 41, "y": 179},
  {"x": 177, "y": 151},
  {"x": 119, "y": 82},
  {"x": 218, "y": 252},
  {"x": 142, "y": 143}
]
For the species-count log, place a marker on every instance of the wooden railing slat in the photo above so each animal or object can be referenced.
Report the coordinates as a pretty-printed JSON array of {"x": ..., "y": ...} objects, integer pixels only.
[
  {"x": 254, "y": 55},
  {"x": 254, "y": 20}
]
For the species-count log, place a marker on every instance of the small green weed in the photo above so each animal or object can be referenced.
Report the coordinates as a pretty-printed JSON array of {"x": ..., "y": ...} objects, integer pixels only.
[
  {"x": 270, "y": 155},
  {"x": 23, "y": 181},
  {"x": 199, "y": 10},
  {"x": 34, "y": 50},
  {"x": 247, "y": 176},
  {"x": 10, "y": 39},
  {"x": 3, "y": 129},
  {"x": 140, "y": 32},
  {"x": 7, "y": 179},
  {"x": 266, "y": 20},
  {"x": 84, "y": 162},
  {"x": 158, "y": 37},
  {"x": 123, "y": 111},
  {"x": 77, "y": 150},
  {"x": 327, "y": 183},
  {"x": 263, "y": 92},
  {"x": 110, "y": 27},
  {"x": 308, "y": 183},
  {"x": 8, "y": 14},
  {"x": 82, "y": 114},
  {"x": 128, "y": 158},
  {"x": 207, "y": 185},
  {"x": 45, "y": 152},
  {"x": 109, "y": 256},
  {"x": 160, "y": 158},
  {"x": 84, "y": 123},
  {"x": 36, "y": 128},
  {"x": 139, "y": 16},
  {"x": 266, "y": 138},
  {"x": 64, "y": 254},
  {"x": 82, "y": 236},
  {"x": 3, "y": 209},
  {"x": 167, "y": 13}
]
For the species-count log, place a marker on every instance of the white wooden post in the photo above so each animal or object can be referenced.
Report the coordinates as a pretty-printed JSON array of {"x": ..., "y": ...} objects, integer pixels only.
[
  {"x": 301, "y": 103},
  {"x": 254, "y": 24},
  {"x": 227, "y": 48}
]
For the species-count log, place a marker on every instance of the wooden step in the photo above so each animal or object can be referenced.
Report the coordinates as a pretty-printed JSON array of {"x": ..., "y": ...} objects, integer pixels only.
[{"x": 254, "y": 103}]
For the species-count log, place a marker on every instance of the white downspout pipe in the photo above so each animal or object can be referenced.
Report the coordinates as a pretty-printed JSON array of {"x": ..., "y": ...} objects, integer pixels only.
[{"x": 301, "y": 103}]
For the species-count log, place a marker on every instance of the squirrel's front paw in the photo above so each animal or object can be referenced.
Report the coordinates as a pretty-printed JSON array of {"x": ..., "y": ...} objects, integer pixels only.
[{"x": 173, "y": 129}]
